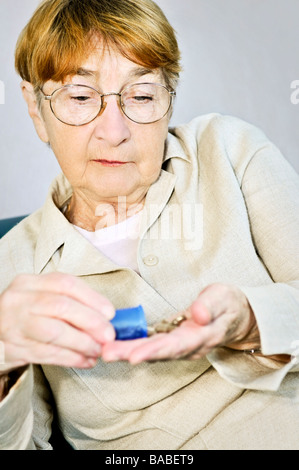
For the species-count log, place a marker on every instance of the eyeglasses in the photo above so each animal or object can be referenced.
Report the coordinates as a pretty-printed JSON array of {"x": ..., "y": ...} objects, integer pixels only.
[{"x": 143, "y": 103}]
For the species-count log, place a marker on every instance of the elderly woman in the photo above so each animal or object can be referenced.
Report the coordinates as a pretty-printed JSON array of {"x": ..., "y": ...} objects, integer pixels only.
[{"x": 198, "y": 224}]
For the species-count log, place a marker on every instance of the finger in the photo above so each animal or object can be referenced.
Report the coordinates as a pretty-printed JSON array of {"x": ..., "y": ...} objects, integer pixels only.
[
  {"x": 200, "y": 312},
  {"x": 175, "y": 345},
  {"x": 70, "y": 311},
  {"x": 68, "y": 358},
  {"x": 67, "y": 285},
  {"x": 188, "y": 340},
  {"x": 38, "y": 353},
  {"x": 121, "y": 350},
  {"x": 50, "y": 331},
  {"x": 211, "y": 303},
  {"x": 180, "y": 343}
]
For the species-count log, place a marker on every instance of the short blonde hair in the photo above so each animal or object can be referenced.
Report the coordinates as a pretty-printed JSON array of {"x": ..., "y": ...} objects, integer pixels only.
[{"x": 58, "y": 38}]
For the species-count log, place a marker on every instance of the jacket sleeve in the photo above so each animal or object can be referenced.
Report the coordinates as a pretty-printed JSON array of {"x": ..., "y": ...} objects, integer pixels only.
[
  {"x": 270, "y": 188},
  {"x": 16, "y": 416},
  {"x": 21, "y": 428}
]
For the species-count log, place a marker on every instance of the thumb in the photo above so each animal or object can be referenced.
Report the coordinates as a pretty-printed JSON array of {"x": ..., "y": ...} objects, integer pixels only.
[{"x": 200, "y": 312}]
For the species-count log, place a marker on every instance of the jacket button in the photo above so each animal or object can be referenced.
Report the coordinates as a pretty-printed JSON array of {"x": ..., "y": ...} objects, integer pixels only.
[{"x": 151, "y": 260}]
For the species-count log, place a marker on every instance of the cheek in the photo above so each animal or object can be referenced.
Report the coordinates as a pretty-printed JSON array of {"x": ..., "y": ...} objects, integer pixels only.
[
  {"x": 152, "y": 146},
  {"x": 67, "y": 145}
]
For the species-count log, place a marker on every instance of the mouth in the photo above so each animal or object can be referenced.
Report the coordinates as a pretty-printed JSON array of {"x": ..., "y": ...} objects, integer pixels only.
[{"x": 110, "y": 163}]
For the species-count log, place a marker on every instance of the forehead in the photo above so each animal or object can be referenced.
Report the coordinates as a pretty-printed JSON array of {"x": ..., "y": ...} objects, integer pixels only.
[{"x": 107, "y": 63}]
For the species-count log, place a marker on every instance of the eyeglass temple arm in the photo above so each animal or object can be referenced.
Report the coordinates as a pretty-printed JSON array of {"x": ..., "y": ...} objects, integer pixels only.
[{"x": 46, "y": 97}]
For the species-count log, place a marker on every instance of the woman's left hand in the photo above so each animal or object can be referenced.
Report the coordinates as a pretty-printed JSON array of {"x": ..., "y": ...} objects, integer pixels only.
[{"x": 220, "y": 316}]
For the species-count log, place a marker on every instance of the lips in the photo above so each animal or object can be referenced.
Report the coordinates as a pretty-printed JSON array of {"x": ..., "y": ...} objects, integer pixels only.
[{"x": 110, "y": 163}]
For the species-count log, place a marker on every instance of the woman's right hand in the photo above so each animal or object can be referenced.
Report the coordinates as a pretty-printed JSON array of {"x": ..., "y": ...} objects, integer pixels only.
[{"x": 53, "y": 319}]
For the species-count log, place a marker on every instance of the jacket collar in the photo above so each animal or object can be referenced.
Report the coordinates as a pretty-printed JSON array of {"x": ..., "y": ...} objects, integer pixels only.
[{"x": 174, "y": 146}]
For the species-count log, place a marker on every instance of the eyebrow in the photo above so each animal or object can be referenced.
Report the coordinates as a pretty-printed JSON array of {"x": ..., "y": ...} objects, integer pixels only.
[
  {"x": 86, "y": 72},
  {"x": 140, "y": 72},
  {"x": 135, "y": 73}
]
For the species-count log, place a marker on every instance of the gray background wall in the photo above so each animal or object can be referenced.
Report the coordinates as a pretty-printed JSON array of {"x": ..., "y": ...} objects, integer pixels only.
[{"x": 240, "y": 58}]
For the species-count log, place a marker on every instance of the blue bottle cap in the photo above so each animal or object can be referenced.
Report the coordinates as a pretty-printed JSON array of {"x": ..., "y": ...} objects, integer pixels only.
[{"x": 130, "y": 323}]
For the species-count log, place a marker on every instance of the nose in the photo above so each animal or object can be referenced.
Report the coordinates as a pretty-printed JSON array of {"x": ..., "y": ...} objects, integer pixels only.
[{"x": 111, "y": 123}]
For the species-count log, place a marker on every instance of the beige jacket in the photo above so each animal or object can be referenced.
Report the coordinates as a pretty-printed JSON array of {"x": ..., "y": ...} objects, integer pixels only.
[{"x": 243, "y": 200}]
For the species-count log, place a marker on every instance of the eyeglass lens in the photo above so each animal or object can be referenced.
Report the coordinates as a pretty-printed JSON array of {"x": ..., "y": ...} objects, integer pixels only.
[{"x": 142, "y": 103}]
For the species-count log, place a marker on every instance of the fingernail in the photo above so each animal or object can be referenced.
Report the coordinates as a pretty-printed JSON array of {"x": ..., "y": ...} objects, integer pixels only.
[
  {"x": 111, "y": 358},
  {"x": 109, "y": 334},
  {"x": 134, "y": 361},
  {"x": 92, "y": 362},
  {"x": 108, "y": 311},
  {"x": 97, "y": 350}
]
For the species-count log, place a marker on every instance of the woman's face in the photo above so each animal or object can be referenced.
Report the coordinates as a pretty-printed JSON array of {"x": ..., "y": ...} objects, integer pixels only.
[{"x": 111, "y": 156}]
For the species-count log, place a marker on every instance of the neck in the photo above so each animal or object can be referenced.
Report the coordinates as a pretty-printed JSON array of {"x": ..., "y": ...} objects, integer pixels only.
[{"x": 93, "y": 216}]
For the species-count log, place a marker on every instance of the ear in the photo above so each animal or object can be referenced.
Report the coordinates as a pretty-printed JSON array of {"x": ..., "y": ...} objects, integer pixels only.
[{"x": 34, "y": 112}]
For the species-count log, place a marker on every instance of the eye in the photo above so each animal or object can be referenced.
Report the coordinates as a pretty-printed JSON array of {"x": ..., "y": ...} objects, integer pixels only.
[
  {"x": 80, "y": 98},
  {"x": 143, "y": 98},
  {"x": 138, "y": 99},
  {"x": 83, "y": 99}
]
